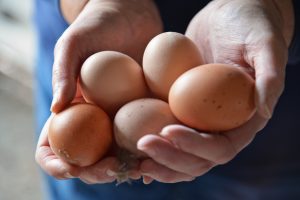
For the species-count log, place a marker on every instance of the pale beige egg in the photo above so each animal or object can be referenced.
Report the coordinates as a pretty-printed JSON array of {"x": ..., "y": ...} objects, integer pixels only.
[{"x": 166, "y": 57}]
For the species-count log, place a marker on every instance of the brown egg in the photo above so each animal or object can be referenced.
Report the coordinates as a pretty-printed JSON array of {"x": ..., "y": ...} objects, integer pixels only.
[
  {"x": 166, "y": 57},
  {"x": 110, "y": 79},
  {"x": 81, "y": 134},
  {"x": 213, "y": 97},
  {"x": 138, "y": 118}
]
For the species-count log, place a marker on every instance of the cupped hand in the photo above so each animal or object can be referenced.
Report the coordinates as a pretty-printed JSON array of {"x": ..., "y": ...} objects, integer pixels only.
[
  {"x": 124, "y": 26},
  {"x": 251, "y": 34}
]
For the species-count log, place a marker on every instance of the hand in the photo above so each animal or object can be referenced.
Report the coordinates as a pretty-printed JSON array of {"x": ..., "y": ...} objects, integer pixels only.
[
  {"x": 182, "y": 154},
  {"x": 252, "y": 34},
  {"x": 125, "y": 26}
]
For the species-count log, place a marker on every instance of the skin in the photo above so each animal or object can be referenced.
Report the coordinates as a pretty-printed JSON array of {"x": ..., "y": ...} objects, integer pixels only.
[
  {"x": 96, "y": 25},
  {"x": 249, "y": 33},
  {"x": 225, "y": 31},
  {"x": 94, "y": 30}
]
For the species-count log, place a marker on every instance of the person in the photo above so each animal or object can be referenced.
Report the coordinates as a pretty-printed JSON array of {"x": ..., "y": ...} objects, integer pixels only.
[{"x": 261, "y": 35}]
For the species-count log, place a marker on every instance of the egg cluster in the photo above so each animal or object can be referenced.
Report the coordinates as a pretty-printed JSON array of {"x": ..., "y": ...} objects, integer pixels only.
[{"x": 173, "y": 86}]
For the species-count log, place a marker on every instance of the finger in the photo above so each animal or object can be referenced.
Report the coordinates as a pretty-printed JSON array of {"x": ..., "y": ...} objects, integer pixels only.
[
  {"x": 66, "y": 68},
  {"x": 270, "y": 76},
  {"x": 49, "y": 162},
  {"x": 152, "y": 170},
  {"x": 218, "y": 148},
  {"x": 213, "y": 147},
  {"x": 104, "y": 171},
  {"x": 164, "y": 153}
]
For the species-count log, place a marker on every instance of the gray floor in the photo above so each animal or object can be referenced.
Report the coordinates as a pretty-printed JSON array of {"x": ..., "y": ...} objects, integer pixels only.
[{"x": 19, "y": 176}]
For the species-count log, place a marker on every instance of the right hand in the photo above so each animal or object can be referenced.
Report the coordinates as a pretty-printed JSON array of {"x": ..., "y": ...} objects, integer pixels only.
[{"x": 125, "y": 26}]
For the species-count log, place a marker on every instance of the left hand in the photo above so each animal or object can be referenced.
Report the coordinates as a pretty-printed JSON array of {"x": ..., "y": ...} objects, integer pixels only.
[{"x": 250, "y": 33}]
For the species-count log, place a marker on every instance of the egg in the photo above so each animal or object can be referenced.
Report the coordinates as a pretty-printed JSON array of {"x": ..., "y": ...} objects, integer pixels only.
[
  {"x": 110, "y": 79},
  {"x": 138, "y": 118},
  {"x": 213, "y": 97},
  {"x": 81, "y": 134},
  {"x": 166, "y": 57}
]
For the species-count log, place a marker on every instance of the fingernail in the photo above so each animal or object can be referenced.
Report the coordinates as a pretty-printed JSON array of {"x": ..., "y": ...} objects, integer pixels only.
[
  {"x": 141, "y": 145},
  {"x": 110, "y": 173},
  {"x": 68, "y": 175},
  {"x": 163, "y": 133}
]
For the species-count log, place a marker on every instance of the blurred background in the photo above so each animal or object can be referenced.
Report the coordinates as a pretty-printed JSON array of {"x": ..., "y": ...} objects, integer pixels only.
[{"x": 19, "y": 175}]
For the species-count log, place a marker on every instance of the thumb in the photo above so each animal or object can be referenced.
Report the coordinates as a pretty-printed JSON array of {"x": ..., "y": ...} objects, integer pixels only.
[
  {"x": 269, "y": 67},
  {"x": 66, "y": 68}
]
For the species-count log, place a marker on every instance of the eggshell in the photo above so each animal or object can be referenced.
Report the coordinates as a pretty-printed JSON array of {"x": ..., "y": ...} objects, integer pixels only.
[
  {"x": 81, "y": 134},
  {"x": 110, "y": 79},
  {"x": 138, "y": 118},
  {"x": 166, "y": 57},
  {"x": 213, "y": 97}
]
